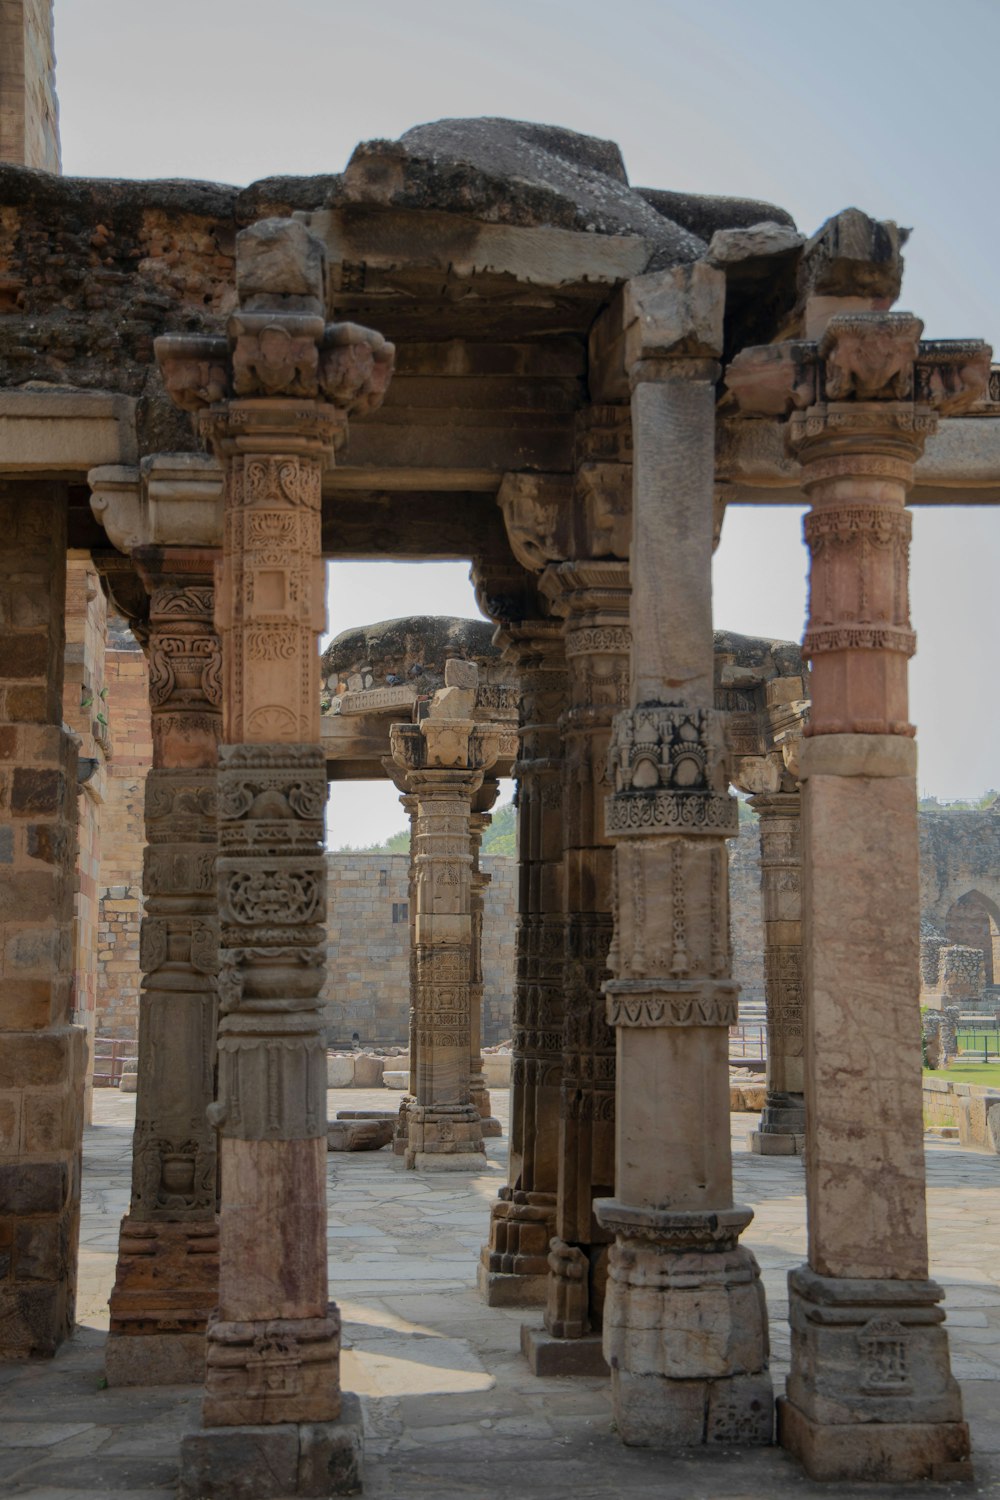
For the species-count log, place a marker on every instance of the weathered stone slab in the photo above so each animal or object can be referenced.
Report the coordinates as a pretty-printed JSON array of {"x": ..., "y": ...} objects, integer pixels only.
[
  {"x": 377, "y": 699},
  {"x": 359, "y": 1135}
]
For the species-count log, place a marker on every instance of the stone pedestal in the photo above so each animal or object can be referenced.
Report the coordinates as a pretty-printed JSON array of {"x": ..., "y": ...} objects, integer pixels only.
[
  {"x": 166, "y": 1279},
  {"x": 441, "y": 761},
  {"x": 513, "y": 1269},
  {"x": 783, "y": 1119},
  {"x": 870, "y": 1394},
  {"x": 273, "y": 1345},
  {"x": 685, "y": 1325}
]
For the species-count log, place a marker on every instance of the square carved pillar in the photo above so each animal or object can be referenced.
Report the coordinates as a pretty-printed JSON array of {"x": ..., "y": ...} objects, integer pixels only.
[
  {"x": 870, "y": 1395},
  {"x": 783, "y": 1120},
  {"x": 167, "y": 1277},
  {"x": 513, "y": 1269},
  {"x": 685, "y": 1326},
  {"x": 42, "y": 1053}
]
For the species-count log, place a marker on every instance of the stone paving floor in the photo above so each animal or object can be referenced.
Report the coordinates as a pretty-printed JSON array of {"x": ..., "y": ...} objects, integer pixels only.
[{"x": 451, "y": 1411}]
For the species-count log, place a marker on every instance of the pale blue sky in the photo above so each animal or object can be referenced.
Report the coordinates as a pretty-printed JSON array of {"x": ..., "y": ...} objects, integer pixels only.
[{"x": 886, "y": 104}]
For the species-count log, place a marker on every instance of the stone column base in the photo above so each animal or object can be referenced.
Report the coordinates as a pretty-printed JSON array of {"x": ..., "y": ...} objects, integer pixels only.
[
  {"x": 685, "y": 1329},
  {"x": 782, "y": 1127},
  {"x": 887, "y": 1452},
  {"x": 280, "y": 1371},
  {"x": 547, "y": 1355},
  {"x": 490, "y": 1126},
  {"x": 776, "y": 1143},
  {"x": 445, "y": 1138},
  {"x": 509, "y": 1289},
  {"x": 871, "y": 1395},
  {"x": 264, "y": 1463},
  {"x": 166, "y": 1284},
  {"x": 154, "y": 1359}
]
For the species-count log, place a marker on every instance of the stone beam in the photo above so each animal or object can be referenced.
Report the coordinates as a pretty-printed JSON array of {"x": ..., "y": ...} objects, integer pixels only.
[
  {"x": 169, "y": 500},
  {"x": 65, "y": 433},
  {"x": 960, "y": 464}
]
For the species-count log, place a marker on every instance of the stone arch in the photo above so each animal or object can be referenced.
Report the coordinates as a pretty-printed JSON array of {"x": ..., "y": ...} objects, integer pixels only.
[{"x": 973, "y": 921}]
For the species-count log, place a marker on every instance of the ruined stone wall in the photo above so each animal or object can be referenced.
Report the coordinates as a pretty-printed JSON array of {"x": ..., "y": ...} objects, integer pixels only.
[
  {"x": 367, "y": 983},
  {"x": 29, "y": 113},
  {"x": 123, "y": 836}
]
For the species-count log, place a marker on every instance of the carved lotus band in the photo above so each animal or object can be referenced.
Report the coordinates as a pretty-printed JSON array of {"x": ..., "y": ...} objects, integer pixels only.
[
  {"x": 672, "y": 1002},
  {"x": 660, "y": 811},
  {"x": 672, "y": 1229}
]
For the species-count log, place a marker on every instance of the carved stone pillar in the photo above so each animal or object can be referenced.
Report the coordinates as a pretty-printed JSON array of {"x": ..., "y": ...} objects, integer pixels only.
[
  {"x": 479, "y": 821},
  {"x": 401, "y": 1129},
  {"x": 166, "y": 1281},
  {"x": 870, "y": 1395},
  {"x": 685, "y": 1328},
  {"x": 783, "y": 1121},
  {"x": 274, "y": 1343},
  {"x": 513, "y": 1270},
  {"x": 593, "y": 595},
  {"x": 443, "y": 759}
]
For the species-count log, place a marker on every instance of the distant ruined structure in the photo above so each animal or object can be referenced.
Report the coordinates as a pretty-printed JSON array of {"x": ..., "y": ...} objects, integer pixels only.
[{"x": 476, "y": 342}]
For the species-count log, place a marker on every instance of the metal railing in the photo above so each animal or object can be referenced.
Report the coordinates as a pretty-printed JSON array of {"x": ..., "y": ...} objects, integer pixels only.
[
  {"x": 110, "y": 1056},
  {"x": 748, "y": 1040}
]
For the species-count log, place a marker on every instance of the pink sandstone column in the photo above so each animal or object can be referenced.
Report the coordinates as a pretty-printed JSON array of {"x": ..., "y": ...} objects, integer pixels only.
[
  {"x": 272, "y": 1391},
  {"x": 870, "y": 1395}
]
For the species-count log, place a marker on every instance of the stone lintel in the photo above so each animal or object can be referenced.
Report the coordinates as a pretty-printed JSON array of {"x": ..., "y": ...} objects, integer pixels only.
[
  {"x": 960, "y": 464},
  {"x": 65, "y": 432}
]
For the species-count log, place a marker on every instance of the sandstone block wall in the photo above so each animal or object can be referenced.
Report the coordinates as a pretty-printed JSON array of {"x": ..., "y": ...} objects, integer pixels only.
[
  {"x": 29, "y": 112},
  {"x": 367, "y": 986},
  {"x": 746, "y": 913}
]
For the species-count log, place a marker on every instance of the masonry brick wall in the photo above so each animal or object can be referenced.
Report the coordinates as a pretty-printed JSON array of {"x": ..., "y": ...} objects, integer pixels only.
[{"x": 367, "y": 988}]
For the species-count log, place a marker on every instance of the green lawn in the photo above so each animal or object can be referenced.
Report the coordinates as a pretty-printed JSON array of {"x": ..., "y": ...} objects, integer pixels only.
[{"x": 969, "y": 1072}]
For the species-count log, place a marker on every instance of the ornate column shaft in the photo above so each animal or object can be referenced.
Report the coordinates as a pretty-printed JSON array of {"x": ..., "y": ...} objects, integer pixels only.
[
  {"x": 513, "y": 1267},
  {"x": 594, "y": 596},
  {"x": 401, "y": 1129},
  {"x": 685, "y": 1330},
  {"x": 166, "y": 1280},
  {"x": 870, "y": 1394},
  {"x": 274, "y": 1342},
  {"x": 783, "y": 1121},
  {"x": 443, "y": 759},
  {"x": 479, "y": 821}
]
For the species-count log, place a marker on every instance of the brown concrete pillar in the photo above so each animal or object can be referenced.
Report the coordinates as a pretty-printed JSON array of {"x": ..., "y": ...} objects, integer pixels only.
[
  {"x": 443, "y": 759},
  {"x": 782, "y": 1122},
  {"x": 513, "y": 1268},
  {"x": 42, "y": 1053},
  {"x": 272, "y": 1391},
  {"x": 870, "y": 1394},
  {"x": 167, "y": 1277}
]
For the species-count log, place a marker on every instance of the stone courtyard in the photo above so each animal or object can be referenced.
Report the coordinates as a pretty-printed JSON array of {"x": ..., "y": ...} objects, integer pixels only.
[
  {"x": 451, "y": 1411},
  {"x": 480, "y": 342}
]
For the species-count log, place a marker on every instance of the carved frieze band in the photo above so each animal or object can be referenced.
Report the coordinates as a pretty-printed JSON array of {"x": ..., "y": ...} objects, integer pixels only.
[
  {"x": 272, "y": 903},
  {"x": 667, "y": 1002},
  {"x": 639, "y": 812}
]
